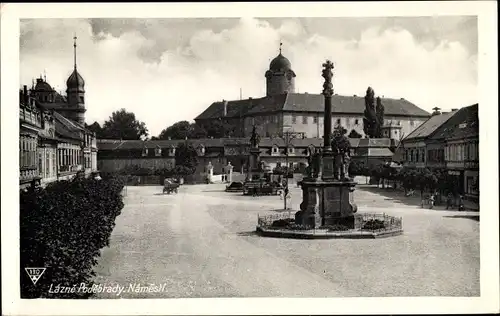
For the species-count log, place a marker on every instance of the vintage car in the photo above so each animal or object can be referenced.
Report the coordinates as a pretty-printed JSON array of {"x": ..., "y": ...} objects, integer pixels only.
[
  {"x": 235, "y": 187},
  {"x": 169, "y": 186},
  {"x": 262, "y": 188}
]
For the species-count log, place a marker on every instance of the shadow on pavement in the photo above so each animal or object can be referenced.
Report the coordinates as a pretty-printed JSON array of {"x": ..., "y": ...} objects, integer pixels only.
[
  {"x": 248, "y": 234},
  {"x": 473, "y": 217},
  {"x": 391, "y": 194}
]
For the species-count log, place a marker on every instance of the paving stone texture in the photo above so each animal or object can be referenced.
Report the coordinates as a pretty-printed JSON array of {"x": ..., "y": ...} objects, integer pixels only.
[{"x": 201, "y": 242}]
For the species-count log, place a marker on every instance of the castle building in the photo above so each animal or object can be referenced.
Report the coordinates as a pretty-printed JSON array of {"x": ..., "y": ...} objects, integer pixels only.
[
  {"x": 53, "y": 141},
  {"x": 282, "y": 109}
]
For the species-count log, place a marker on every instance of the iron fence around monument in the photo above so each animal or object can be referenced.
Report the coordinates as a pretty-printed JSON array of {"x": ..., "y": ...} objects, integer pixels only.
[{"x": 372, "y": 222}]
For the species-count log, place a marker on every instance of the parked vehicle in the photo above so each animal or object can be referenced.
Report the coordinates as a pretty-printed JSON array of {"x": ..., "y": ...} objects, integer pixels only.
[
  {"x": 261, "y": 188},
  {"x": 235, "y": 187},
  {"x": 170, "y": 186}
]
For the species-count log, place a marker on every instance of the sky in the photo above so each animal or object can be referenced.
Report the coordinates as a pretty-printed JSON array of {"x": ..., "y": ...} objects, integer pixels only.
[{"x": 167, "y": 70}]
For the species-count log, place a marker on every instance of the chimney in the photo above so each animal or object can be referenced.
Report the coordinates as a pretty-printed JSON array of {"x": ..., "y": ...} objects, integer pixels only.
[
  {"x": 25, "y": 95},
  {"x": 225, "y": 107}
]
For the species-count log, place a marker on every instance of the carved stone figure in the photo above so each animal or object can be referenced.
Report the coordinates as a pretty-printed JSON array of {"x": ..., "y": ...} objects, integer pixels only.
[
  {"x": 255, "y": 138},
  {"x": 345, "y": 165},
  {"x": 337, "y": 171}
]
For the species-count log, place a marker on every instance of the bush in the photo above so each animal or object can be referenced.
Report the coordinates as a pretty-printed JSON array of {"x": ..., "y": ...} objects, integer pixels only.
[
  {"x": 282, "y": 222},
  {"x": 374, "y": 224},
  {"x": 62, "y": 228},
  {"x": 298, "y": 227}
]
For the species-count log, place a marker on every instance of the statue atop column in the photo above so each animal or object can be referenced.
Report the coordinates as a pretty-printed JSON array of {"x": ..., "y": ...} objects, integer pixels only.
[
  {"x": 254, "y": 138},
  {"x": 327, "y": 75}
]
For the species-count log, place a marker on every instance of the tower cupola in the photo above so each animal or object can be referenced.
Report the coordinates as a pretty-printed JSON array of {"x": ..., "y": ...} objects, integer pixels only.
[{"x": 280, "y": 78}]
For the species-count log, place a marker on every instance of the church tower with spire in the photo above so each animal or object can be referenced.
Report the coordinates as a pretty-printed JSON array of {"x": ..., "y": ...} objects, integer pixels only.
[
  {"x": 280, "y": 78},
  {"x": 76, "y": 93}
]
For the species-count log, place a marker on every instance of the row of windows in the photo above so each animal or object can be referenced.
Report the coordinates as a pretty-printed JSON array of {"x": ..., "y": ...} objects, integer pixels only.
[
  {"x": 414, "y": 155},
  {"x": 27, "y": 151},
  {"x": 305, "y": 120},
  {"x": 47, "y": 168},
  {"x": 435, "y": 155},
  {"x": 69, "y": 157},
  {"x": 462, "y": 152},
  {"x": 158, "y": 151}
]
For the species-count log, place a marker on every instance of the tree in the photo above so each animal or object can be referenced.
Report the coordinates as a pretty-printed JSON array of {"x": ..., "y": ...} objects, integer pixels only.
[
  {"x": 379, "y": 118},
  {"x": 340, "y": 142},
  {"x": 96, "y": 128},
  {"x": 354, "y": 134},
  {"x": 124, "y": 125},
  {"x": 179, "y": 130},
  {"x": 370, "y": 117},
  {"x": 186, "y": 159},
  {"x": 218, "y": 129}
]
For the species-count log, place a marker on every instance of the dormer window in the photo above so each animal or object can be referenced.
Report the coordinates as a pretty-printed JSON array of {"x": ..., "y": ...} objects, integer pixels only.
[
  {"x": 291, "y": 150},
  {"x": 171, "y": 151},
  {"x": 275, "y": 149},
  {"x": 144, "y": 152},
  {"x": 158, "y": 152},
  {"x": 201, "y": 150}
]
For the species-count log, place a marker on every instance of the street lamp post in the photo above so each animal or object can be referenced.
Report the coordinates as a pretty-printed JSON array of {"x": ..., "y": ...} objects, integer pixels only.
[{"x": 287, "y": 137}]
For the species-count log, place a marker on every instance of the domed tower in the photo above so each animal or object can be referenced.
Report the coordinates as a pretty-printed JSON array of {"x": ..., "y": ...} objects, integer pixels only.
[
  {"x": 76, "y": 94},
  {"x": 280, "y": 78}
]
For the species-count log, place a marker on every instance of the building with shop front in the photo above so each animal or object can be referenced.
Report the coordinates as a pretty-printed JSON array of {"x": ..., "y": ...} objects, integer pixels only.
[
  {"x": 283, "y": 109},
  {"x": 447, "y": 141},
  {"x": 53, "y": 141}
]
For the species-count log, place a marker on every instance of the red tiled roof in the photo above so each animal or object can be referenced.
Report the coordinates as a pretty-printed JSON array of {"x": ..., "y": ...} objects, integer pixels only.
[{"x": 306, "y": 102}]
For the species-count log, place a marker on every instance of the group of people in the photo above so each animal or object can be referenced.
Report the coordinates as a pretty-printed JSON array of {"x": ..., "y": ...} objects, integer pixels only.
[{"x": 449, "y": 201}]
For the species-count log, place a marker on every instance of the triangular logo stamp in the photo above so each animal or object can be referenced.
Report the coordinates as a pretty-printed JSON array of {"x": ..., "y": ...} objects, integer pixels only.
[{"x": 35, "y": 274}]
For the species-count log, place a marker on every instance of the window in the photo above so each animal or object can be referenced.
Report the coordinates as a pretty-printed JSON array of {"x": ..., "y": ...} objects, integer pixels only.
[
  {"x": 275, "y": 149},
  {"x": 201, "y": 150},
  {"x": 338, "y": 121},
  {"x": 291, "y": 150},
  {"x": 412, "y": 123},
  {"x": 144, "y": 152},
  {"x": 82, "y": 99},
  {"x": 304, "y": 119},
  {"x": 171, "y": 151},
  {"x": 416, "y": 157},
  {"x": 356, "y": 122},
  {"x": 399, "y": 123},
  {"x": 315, "y": 119},
  {"x": 157, "y": 152},
  {"x": 294, "y": 118}
]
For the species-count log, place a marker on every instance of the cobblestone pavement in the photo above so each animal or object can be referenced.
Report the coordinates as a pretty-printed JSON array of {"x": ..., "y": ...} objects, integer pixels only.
[{"x": 201, "y": 243}]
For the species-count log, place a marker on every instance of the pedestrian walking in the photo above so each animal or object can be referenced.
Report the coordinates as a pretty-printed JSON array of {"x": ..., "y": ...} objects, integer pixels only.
[
  {"x": 431, "y": 201},
  {"x": 449, "y": 200},
  {"x": 461, "y": 203}
]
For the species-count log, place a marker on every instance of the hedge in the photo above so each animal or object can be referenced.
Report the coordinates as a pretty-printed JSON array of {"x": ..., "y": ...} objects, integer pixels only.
[{"x": 62, "y": 228}]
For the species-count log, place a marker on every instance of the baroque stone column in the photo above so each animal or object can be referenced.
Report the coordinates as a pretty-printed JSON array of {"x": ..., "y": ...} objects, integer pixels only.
[{"x": 328, "y": 156}]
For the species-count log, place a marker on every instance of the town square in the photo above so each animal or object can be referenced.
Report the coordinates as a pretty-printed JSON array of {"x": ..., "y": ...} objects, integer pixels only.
[{"x": 245, "y": 157}]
